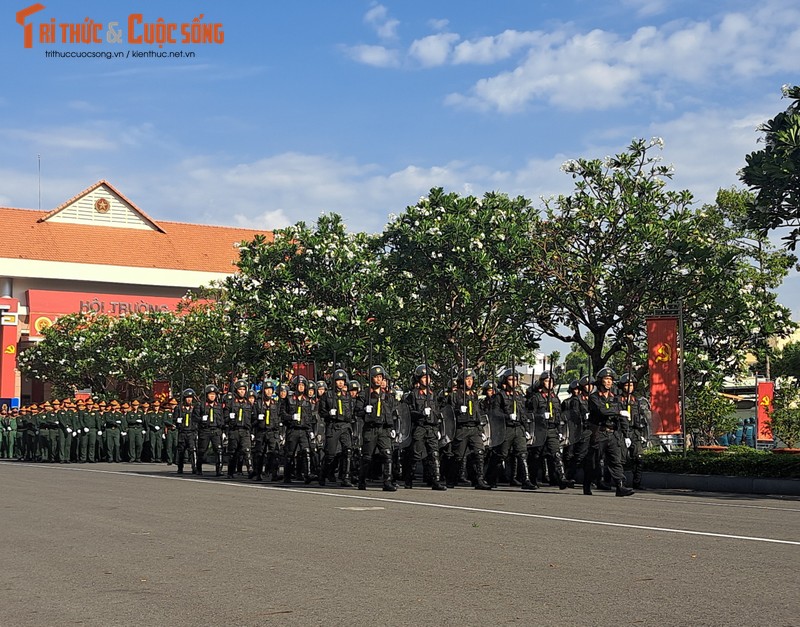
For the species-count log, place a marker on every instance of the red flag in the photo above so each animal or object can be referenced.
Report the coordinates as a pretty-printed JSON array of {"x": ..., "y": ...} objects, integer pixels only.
[
  {"x": 766, "y": 393},
  {"x": 662, "y": 359}
]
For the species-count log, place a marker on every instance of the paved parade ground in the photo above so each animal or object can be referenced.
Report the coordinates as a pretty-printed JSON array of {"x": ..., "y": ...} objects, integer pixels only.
[{"x": 114, "y": 544}]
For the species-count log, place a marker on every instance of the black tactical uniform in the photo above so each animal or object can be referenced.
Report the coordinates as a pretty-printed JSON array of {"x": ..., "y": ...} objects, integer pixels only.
[
  {"x": 266, "y": 429},
  {"x": 548, "y": 429},
  {"x": 509, "y": 406},
  {"x": 209, "y": 419},
  {"x": 374, "y": 407},
  {"x": 605, "y": 420},
  {"x": 240, "y": 421},
  {"x": 187, "y": 431},
  {"x": 298, "y": 418},
  {"x": 637, "y": 413},
  {"x": 426, "y": 420},
  {"x": 575, "y": 411},
  {"x": 469, "y": 430},
  {"x": 336, "y": 407}
]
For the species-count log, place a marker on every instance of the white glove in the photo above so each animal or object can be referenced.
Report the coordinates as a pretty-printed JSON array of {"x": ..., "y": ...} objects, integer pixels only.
[
  {"x": 74, "y": 434},
  {"x": 643, "y": 439},
  {"x": 393, "y": 434},
  {"x": 512, "y": 417},
  {"x": 139, "y": 421},
  {"x": 368, "y": 409},
  {"x": 158, "y": 428},
  {"x": 527, "y": 436},
  {"x": 119, "y": 422},
  {"x": 398, "y": 396},
  {"x": 86, "y": 429},
  {"x": 261, "y": 416},
  {"x": 483, "y": 437},
  {"x": 625, "y": 413},
  {"x": 58, "y": 423},
  {"x": 628, "y": 442},
  {"x": 560, "y": 437},
  {"x": 144, "y": 431},
  {"x": 252, "y": 437},
  {"x": 124, "y": 433},
  {"x": 163, "y": 436},
  {"x": 332, "y": 412},
  {"x": 311, "y": 435},
  {"x": 99, "y": 432},
  {"x": 205, "y": 418},
  {"x": 69, "y": 430},
  {"x": 427, "y": 411},
  {"x": 9, "y": 429},
  {"x": 224, "y": 439},
  {"x": 463, "y": 409},
  {"x": 231, "y": 415}
]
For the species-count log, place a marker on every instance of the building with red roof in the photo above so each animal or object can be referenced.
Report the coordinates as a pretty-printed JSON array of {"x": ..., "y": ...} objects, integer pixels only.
[{"x": 97, "y": 251}]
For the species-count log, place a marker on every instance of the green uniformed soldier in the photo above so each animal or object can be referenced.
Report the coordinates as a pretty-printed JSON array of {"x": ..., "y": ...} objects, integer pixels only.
[
  {"x": 155, "y": 430},
  {"x": 112, "y": 428},
  {"x": 12, "y": 448},
  {"x": 71, "y": 429},
  {"x": 31, "y": 433},
  {"x": 170, "y": 431},
  {"x": 136, "y": 432},
  {"x": 90, "y": 419},
  {"x": 4, "y": 430}
]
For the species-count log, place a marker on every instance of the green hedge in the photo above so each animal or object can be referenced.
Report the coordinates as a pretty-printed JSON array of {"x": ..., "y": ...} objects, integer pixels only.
[{"x": 739, "y": 461}]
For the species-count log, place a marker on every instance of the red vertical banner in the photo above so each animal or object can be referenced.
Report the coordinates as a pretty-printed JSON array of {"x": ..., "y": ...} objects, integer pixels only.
[
  {"x": 662, "y": 360},
  {"x": 9, "y": 326},
  {"x": 766, "y": 393}
]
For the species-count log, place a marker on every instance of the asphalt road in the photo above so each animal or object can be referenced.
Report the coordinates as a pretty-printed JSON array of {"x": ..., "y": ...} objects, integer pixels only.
[{"x": 116, "y": 544}]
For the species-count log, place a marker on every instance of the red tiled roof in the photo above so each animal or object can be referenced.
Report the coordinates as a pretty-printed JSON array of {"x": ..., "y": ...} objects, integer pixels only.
[{"x": 179, "y": 247}]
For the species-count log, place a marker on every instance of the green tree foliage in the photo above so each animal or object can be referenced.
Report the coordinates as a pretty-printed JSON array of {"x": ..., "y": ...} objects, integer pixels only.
[
  {"x": 709, "y": 415},
  {"x": 787, "y": 362},
  {"x": 464, "y": 274},
  {"x": 774, "y": 173},
  {"x": 122, "y": 356},
  {"x": 623, "y": 246},
  {"x": 311, "y": 294}
]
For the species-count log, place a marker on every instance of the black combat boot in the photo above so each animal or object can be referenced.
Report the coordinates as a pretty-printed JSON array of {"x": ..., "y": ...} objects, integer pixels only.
[
  {"x": 323, "y": 472},
  {"x": 180, "y": 463},
  {"x": 193, "y": 461},
  {"x": 388, "y": 485},
  {"x": 622, "y": 490},
  {"x": 307, "y": 467},
  {"x": 344, "y": 480},
  {"x": 526, "y": 480},
  {"x": 362, "y": 473},
  {"x": 435, "y": 473},
  {"x": 232, "y": 462},
  {"x": 477, "y": 466},
  {"x": 219, "y": 464}
]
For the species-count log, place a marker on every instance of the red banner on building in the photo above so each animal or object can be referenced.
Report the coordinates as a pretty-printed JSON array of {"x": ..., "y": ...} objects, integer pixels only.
[
  {"x": 662, "y": 359},
  {"x": 766, "y": 394},
  {"x": 45, "y": 306}
]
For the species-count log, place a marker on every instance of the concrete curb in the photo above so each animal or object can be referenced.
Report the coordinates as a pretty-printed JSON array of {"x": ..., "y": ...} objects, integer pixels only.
[{"x": 719, "y": 483}]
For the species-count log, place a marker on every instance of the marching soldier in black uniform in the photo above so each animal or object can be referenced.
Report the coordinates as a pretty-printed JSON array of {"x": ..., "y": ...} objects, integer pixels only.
[
  {"x": 509, "y": 406},
  {"x": 187, "y": 431},
  {"x": 374, "y": 407},
  {"x": 240, "y": 421},
  {"x": 209, "y": 420},
  {"x": 605, "y": 420},
  {"x": 575, "y": 410},
  {"x": 266, "y": 430},
  {"x": 336, "y": 408},
  {"x": 426, "y": 419},
  {"x": 298, "y": 418},
  {"x": 548, "y": 428},
  {"x": 469, "y": 434},
  {"x": 638, "y": 427}
]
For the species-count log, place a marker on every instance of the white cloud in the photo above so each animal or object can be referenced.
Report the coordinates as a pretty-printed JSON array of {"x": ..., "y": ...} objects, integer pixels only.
[
  {"x": 433, "y": 50},
  {"x": 646, "y": 8},
  {"x": 378, "y": 18},
  {"x": 485, "y": 50},
  {"x": 438, "y": 24},
  {"x": 377, "y": 56}
]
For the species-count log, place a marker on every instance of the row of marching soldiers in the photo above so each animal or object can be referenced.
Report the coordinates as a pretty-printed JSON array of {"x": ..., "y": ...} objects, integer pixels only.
[
  {"x": 483, "y": 435},
  {"x": 451, "y": 432}
]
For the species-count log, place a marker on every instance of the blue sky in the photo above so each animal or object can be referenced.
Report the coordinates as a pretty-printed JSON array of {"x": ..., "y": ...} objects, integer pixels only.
[{"x": 360, "y": 107}]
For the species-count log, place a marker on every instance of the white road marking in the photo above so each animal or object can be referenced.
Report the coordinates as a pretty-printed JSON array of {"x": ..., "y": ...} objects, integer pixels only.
[
  {"x": 362, "y": 509},
  {"x": 463, "y": 508}
]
